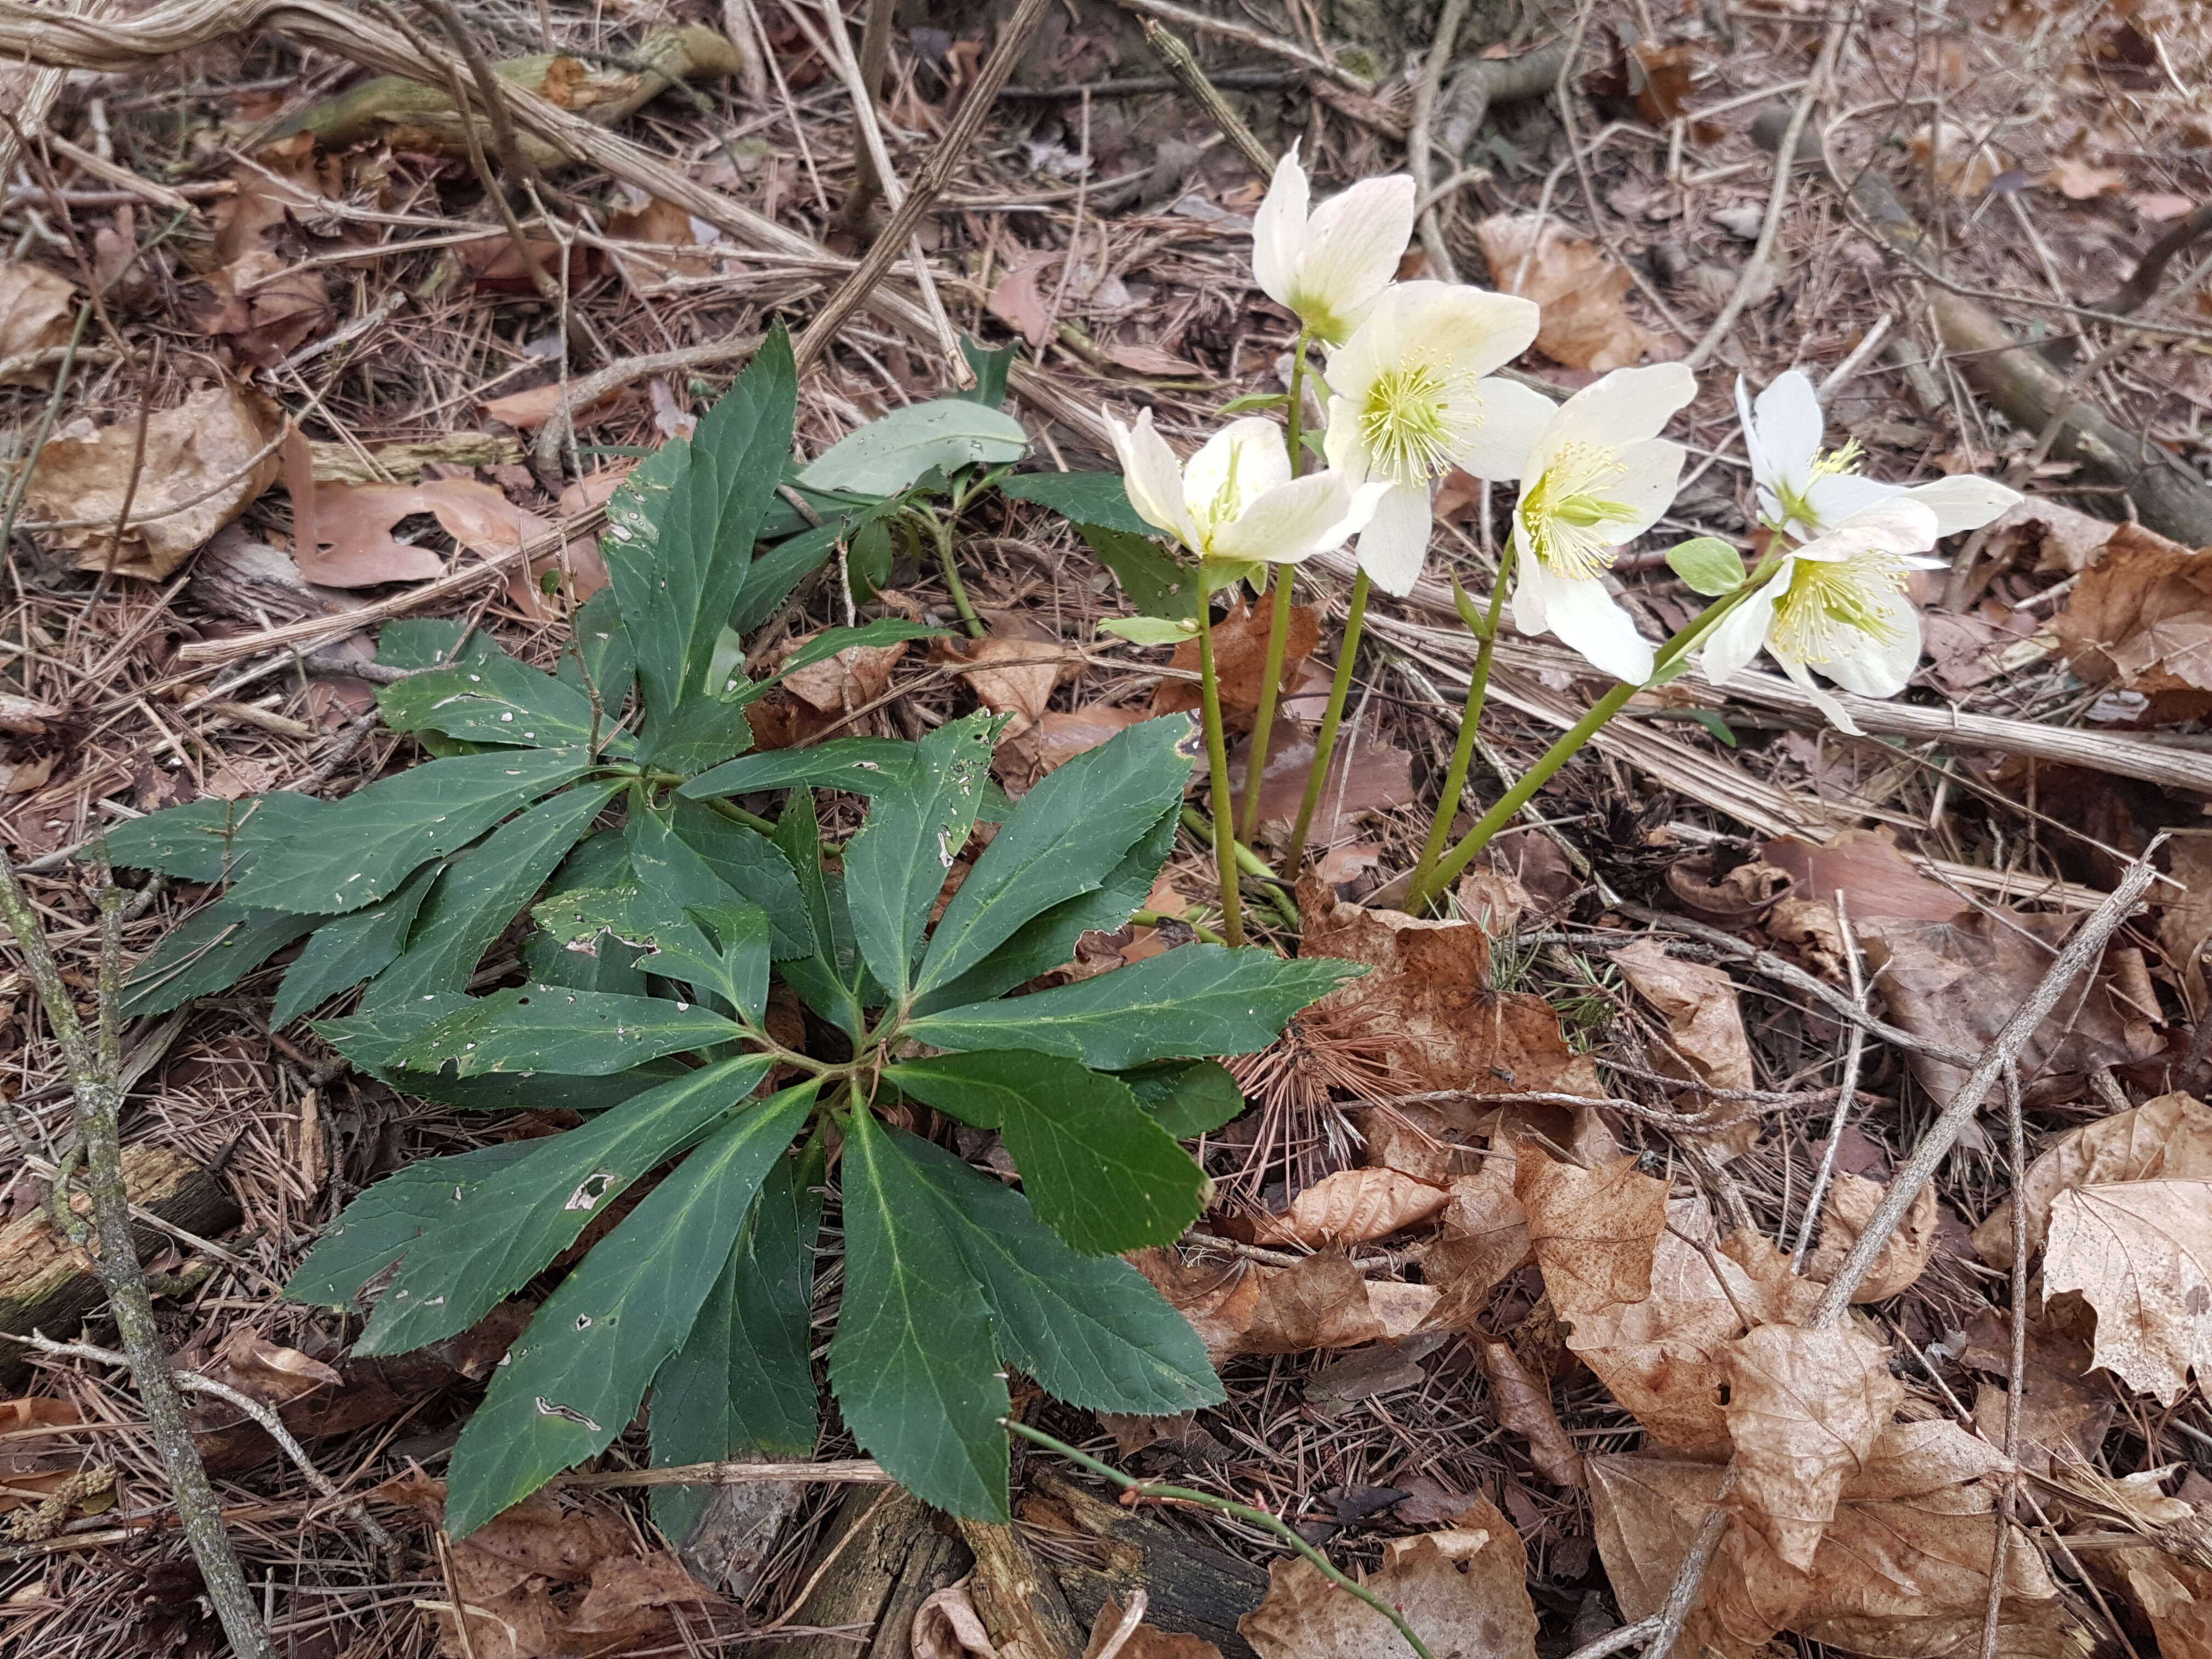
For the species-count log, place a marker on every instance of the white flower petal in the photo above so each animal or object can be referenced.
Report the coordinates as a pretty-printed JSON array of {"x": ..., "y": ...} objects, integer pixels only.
[
  {"x": 1234, "y": 468},
  {"x": 1395, "y": 543},
  {"x": 1532, "y": 588},
  {"x": 1881, "y": 668},
  {"x": 1762, "y": 463},
  {"x": 1589, "y": 620},
  {"x": 1469, "y": 330},
  {"x": 1835, "y": 497},
  {"x": 1342, "y": 444},
  {"x": 1495, "y": 443},
  {"x": 1278, "y": 229},
  {"x": 1290, "y": 522},
  {"x": 1965, "y": 502},
  {"x": 1742, "y": 632},
  {"x": 1621, "y": 408},
  {"x": 1896, "y": 525},
  {"x": 1353, "y": 243},
  {"x": 1651, "y": 472},
  {"x": 1838, "y": 717},
  {"x": 1153, "y": 478},
  {"x": 1790, "y": 427}
]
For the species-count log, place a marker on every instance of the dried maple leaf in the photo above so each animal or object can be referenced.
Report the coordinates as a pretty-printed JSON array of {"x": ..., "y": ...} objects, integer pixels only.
[
  {"x": 1465, "y": 1590},
  {"x": 2169, "y": 1138},
  {"x": 1429, "y": 1001},
  {"x": 1593, "y": 1231},
  {"x": 1958, "y": 982},
  {"x": 1580, "y": 289},
  {"x": 1240, "y": 656},
  {"x": 1244, "y": 1307},
  {"x": 2140, "y": 1252},
  {"x": 2078, "y": 181},
  {"x": 347, "y": 540},
  {"x": 34, "y": 316},
  {"x": 1803, "y": 1411},
  {"x": 2141, "y": 618},
  {"x": 1014, "y": 677},
  {"x": 1352, "y": 1207},
  {"x": 1851, "y": 1202},
  {"x": 203, "y": 452}
]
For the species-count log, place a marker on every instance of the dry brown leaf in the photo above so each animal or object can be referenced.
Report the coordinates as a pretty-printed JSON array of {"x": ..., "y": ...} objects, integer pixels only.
[
  {"x": 2140, "y": 1252},
  {"x": 947, "y": 1626},
  {"x": 260, "y": 1368},
  {"x": 35, "y": 305},
  {"x": 2077, "y": 180},
  {"x": 1875, "y": 879},
  {"x": 2168, "y": 1139},
  {"x": 1018, "y": 299},
  {"x": 1593, "y": 1231},
  {"x": 1804, "y": 1409},
  {"x": 1057, "y": 736},
  {"x": 836, "y": 685},
  {"x": 1902, "y": 1572},
  {"x": 1851, "y": 1202},
  {"x": 2185, "y": 922},
  {"x": 2141, "y": 618},
  {"x": 1705, "y": 1025},
  {"x": 352, "y": 526},
  {"x": 1146, "y": 1641},
  {"x": 1011, "y": 675},
  {"x": 1142, "y": 359},
  {"x": 525, "y": 411},
  {"x": 1958, "y": 164},
  {"x": 2174, "y": 1595},
  {"x": 1244, "y": 1307},
  {"x": 1364, "y": 775},
  {"x": 266, "y": 306},
  {"x": 1522, "y": 1402},
  {"x": 1584, "y": 323},
  {"x": 1429, "y": 1004},
  {"x": 204, "y": 446},
  {"x": 1240, "y": 657},
  {"x": 546, "y": 1580},
  {"x": 32, "y": 1467},
  {"x": 1483, "y": 1240},
  {"x": 285, "y": 179},
  {"x": 1958, "y": 982},
  {"x": 1352, "y": 1207},
  {"x": 1465, "y": 1590},
  {"x": 2047, "y": 537}
]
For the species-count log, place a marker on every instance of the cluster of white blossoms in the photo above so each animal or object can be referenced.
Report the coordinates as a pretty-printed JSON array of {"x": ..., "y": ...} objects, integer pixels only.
[{"x": 1413, "y": 393}]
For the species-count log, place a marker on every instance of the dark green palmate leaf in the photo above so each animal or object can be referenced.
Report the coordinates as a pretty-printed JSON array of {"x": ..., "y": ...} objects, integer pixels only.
[
  {"x": 830, "y": 978},
  {"x": 681, "y": 529},
  {"x": 378, "y": 1040},
  {"x": 573, "y": 1380},
  {"x": 600, "y": 658},
  {"x": 219, "y": 946},
  {"x": 1049, "y": 940},
  {"x": 347, "y": 949},
  {"x": 210, "y": 839},
  {"x": 1097, "y": 1167},
  {"x": 1065, "y": 840},
  {"x": 1195, "y": 1000},
  {"x": 1156, "y": 584},
  {"x": 895, "y": 866},
  {"x": 945, "y": 1268},
  {"x": 549, "y": 1028},
  {"x": 743, "y": 1382},
  {"x": 1083, "y": 498},
  {"x": 492, "y": 698},
  {"x": 468, "y": 1234},
  {"x": 694, "y": 855},
  {"x": 485, "y": 889},
  {"x": 359, "y": 849},
  {"x": 861, "y": 765},
  {"x": 912, "y": 1361},
  {"x": 1187, "y": 1097}
]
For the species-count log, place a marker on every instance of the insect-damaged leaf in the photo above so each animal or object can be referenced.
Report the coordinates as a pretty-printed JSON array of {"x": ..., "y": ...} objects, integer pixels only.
[
  {"x": 214, "y": 951},
  {"x": 573, "y": 1380},
  {"x": 468, "y": 1231},
  {"x": 492, "y": 698},
  {"x": 549, "y": 1028},
  {"x": 210, "y": 839}
]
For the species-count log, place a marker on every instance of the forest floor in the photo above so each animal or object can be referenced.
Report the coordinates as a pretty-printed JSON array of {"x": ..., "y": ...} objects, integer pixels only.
[{"x": 326, "y": 384}]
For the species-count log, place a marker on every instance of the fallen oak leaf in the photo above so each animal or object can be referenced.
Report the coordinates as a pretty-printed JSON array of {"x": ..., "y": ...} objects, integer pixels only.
[{"x": 352, "y": 526}]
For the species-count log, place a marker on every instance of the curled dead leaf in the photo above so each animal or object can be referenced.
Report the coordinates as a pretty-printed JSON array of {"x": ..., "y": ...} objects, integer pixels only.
[
  {"x": 34, "y": 316},
  {"x": 1246, "y": 1307},
  {"x": 1522, "y": 1402},
  {"x": 1464, "y": 1589},
  {"x": 2140, "y": 619},
  {"x": 1585, "y": 324},
  {"x": 1352, "y": 1207},
  {"x": 1483, "y": 1242},
  {"x": 1851, "y": 1204},
  {"x": 1705, "y": 1025},
  {"x": 1593, "y": 1231},
  {"x": 1240, "y": 656},
  {"x": 202, "y": 462},
  {"x": 1014, "y": 677},
  {"x": 1055, "y": 737}
]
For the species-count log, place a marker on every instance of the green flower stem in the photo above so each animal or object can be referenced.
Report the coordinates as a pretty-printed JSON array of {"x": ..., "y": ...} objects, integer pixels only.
[
  {"x": 738, "y": 814},
  {"x": 1470, "y": 720},
  {"x": 1325, "y": 743},
  {"x": 1161, "y": 919},
  {"x": 1274, "y": 1523},
  {"x": 940, "y": 531},
  {"x": 1278, "y": 628},
  {"x": 1217, "y": 757},
  {"x": 1420, "y": 894},
  {"x": 1250, "y": 863}
]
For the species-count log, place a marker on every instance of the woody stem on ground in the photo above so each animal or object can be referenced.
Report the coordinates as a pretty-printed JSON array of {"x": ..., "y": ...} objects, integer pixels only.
[
  {"x": 1279, "y": 626},
  {"x": 1332, "y": 716},
  {"x": 1484, "y": 629},
  {"x": 93, "y": 1061},
  {"x": 1217, "y": 758},
  {"x": 1154, "y": 1491}
]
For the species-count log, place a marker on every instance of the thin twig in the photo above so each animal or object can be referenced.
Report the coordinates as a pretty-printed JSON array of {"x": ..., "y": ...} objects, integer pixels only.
[
  {"x": 1183, "y": 67},
  {"x": 1690, "y": 1577},
  {"x": 2016, "y": 1376},
  {"x": 1855, "y": 1047}
]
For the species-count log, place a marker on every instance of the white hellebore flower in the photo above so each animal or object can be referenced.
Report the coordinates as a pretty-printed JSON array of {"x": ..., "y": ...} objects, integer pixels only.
[
  {"x": 1808, "y": 492},
  {"x": 1331, "y": 265},
  {"x": 1408, "y": 402},
  {"x": 1599, "y": 477},
  {"x": 1837, "y": 604},
  {"x": 1235, "y": 501}
]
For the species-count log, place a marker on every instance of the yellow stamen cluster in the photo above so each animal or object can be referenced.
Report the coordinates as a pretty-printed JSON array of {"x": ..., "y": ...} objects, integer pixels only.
[
  {"x": 1566, "y": 521},
  {"x": 1831, "y": 607},
  {"x": 1405, "y": 423}
]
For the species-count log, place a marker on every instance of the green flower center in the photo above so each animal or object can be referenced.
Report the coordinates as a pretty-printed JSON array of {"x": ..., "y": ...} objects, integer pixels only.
[
  {"x": 1798, "y": 506},
  {"x": 1570, "y": 526},
  {"x": 1833, "y": 608},
  {"x": 1406, "y": 424}
]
